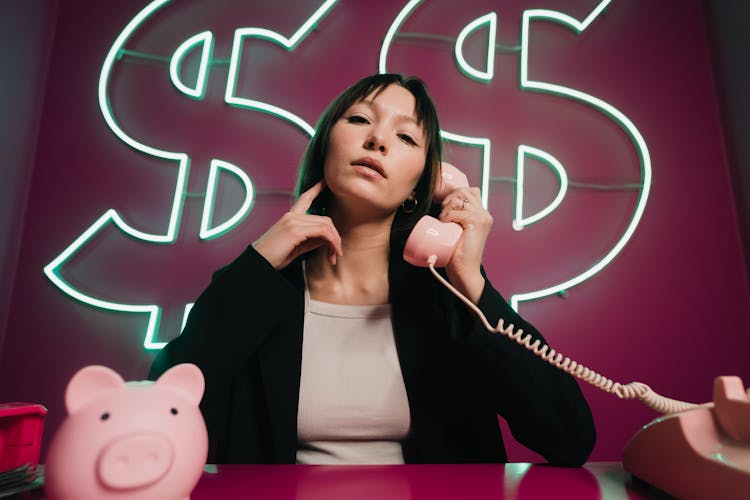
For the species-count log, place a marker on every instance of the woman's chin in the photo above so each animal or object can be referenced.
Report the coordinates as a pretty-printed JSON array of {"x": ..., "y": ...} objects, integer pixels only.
[{"x": 364, "y": 207}]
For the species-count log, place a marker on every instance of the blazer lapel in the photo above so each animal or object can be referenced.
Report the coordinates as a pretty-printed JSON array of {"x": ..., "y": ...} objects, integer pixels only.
[
  {"x": 280, "y": 360},
  {"x": 409, "y": 328}
]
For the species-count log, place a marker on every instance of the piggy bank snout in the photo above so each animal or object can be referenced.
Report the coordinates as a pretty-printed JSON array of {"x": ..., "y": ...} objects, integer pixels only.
[{"x": 134, "y": 461}]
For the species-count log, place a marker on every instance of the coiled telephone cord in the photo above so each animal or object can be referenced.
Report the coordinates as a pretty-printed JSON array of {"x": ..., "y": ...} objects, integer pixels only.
[{"x": 632, "y": 390}]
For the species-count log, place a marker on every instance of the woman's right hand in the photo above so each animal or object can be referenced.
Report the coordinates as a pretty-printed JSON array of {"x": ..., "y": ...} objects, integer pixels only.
[{"x": 297, "y": 232}]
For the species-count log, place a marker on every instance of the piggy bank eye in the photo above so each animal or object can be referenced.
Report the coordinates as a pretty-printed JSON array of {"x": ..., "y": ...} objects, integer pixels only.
[
  {"x": 105, "y": 416},
  {"x": 173, "y": 411}
]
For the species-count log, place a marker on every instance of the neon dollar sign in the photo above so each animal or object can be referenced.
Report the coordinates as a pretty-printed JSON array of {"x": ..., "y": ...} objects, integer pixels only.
[
  {"x": 544, "y": 112},
  {"x": 199, "y": 44}
]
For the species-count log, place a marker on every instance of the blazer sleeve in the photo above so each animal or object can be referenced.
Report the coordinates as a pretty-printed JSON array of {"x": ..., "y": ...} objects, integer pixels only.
[
  {"x": 543, "y": 405},
  {"x": 228, "y": 321}
]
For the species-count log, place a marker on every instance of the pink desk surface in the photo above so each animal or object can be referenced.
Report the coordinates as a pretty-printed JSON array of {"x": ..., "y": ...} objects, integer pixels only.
[
  {"x": 605, "y": 480},
  {"x": 418, "y": 482}
]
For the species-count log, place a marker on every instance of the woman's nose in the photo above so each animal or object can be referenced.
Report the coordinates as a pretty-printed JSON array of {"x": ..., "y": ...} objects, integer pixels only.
[{"x": 375, "y": 142}]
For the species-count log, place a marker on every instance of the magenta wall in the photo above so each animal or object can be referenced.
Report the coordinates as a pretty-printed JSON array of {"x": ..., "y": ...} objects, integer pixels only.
[{"x": 671, "y": 310}]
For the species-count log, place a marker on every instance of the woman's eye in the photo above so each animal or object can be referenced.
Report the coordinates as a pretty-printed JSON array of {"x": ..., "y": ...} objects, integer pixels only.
[
  {"x": 357, "y": 119},
  {"x": 407, "y": 138}
]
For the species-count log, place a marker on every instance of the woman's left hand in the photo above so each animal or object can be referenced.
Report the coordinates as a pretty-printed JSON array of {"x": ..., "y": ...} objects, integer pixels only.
[{"x": 464, "y": 207}]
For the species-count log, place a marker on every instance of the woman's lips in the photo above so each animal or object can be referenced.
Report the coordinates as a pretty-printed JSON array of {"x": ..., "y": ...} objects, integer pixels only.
[{"x": 371, "y": 164}]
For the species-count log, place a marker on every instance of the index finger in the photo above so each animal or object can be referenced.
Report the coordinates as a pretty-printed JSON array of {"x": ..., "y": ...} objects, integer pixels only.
[{"x": 305, "y": 200}]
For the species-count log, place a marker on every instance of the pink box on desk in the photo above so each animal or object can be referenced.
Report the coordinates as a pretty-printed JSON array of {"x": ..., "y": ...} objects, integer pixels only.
[{"x": 21, "y": 426}]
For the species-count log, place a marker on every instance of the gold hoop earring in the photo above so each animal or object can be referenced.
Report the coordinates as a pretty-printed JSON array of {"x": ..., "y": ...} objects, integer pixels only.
[{"x": 410, "y": 204}]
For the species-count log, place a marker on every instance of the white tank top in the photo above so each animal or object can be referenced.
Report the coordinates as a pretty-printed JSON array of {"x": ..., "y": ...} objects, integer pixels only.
[{"x": 352, "y": 400}]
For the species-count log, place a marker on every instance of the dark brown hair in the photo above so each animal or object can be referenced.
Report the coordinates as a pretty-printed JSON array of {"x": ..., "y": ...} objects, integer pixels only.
[{"x": 311, "y": 166}]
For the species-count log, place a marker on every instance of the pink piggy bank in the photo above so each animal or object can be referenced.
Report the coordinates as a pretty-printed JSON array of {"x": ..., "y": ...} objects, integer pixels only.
[{"x": 134, "y": 440}]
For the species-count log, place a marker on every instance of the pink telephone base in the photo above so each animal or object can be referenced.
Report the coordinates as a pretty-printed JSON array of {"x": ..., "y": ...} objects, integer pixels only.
[{"x": 703, "y": 452}]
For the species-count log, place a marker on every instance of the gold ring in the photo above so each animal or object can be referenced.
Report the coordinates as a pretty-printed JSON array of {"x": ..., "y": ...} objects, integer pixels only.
[{"x": 465, "y": 201}]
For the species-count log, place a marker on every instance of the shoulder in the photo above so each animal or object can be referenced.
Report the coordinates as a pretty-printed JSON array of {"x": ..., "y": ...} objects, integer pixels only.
[{"x": 251, "y": 268}]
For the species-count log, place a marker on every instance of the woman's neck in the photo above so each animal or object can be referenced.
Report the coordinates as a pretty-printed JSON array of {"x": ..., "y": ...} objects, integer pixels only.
[{"x": 360, "y": 276}]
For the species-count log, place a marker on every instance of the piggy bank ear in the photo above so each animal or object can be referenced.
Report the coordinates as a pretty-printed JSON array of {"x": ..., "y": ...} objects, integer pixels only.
[
  {"x": 185, "y": 378},
  {"x": 88, "y": 383}
]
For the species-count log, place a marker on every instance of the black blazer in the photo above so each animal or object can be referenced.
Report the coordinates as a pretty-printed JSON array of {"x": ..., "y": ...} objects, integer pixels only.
[{"x": 245, "y": 334}]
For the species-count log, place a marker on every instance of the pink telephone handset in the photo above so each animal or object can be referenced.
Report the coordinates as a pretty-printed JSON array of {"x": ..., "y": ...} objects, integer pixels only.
[
  {"x": 691, "y": 451},
  {"x": 431, "y": 239}
]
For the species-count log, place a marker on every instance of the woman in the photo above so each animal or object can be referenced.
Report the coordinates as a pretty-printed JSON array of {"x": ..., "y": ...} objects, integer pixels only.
[{"x": 320, "y": 344}]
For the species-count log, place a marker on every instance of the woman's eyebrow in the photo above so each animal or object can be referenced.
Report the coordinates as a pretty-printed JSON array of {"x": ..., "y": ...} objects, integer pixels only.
[
  {"x": 401, "y": 117},
  {"x": 406, "y": 118}
]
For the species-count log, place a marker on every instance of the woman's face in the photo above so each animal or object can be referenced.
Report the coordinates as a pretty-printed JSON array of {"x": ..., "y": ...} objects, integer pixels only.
[{"x": 376, "y": 152}]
